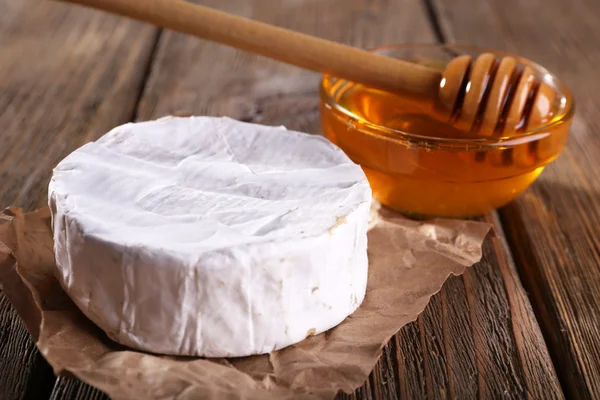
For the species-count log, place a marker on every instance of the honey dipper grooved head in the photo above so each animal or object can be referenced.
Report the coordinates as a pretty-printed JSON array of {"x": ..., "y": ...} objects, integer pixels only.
[{"x": 493, "y": 96}]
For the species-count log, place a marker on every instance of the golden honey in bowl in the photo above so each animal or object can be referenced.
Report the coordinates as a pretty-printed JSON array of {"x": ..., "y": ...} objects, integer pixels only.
[{"x": 420, "y": 163}]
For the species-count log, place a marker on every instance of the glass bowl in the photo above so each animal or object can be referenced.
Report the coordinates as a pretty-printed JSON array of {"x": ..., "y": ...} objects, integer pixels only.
[{"x": 419, "y": 165}]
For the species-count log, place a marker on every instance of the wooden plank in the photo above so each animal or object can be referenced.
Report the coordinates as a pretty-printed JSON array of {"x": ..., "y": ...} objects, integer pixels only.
[
  {"x": 17, "y": 350},
  {"x": 197, "y": 77},
  {"x": 72, "y": 388},
  {"x": 553, "y": 228},
  {"x": 66, "y": 76},
  {"x": 477, "y": 338},
  {"x": 479, "y": 335}
]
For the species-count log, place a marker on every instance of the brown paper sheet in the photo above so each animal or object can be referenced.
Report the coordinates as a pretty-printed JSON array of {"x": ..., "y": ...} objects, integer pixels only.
[{"x": 409, "y": 262}]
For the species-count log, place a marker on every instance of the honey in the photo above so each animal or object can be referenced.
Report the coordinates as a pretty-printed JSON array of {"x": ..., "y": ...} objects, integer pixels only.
[{"x": 419, "y": 164}]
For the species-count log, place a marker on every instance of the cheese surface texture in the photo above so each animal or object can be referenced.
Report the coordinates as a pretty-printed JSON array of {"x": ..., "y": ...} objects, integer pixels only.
[{"x": 211, "y": 237}]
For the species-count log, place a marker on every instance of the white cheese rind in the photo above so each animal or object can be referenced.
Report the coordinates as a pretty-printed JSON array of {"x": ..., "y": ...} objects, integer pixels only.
[{"x": 211, "y": 237}]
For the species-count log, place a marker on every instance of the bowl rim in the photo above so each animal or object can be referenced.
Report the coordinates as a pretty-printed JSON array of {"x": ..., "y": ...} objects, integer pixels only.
[{"x": 495, "y": 141}]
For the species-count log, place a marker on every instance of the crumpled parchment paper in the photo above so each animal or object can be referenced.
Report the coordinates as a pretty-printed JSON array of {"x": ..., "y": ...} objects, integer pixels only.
[{"x": 408, "y": 263}]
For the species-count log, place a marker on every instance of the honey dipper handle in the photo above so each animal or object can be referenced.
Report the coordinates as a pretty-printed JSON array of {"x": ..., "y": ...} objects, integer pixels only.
[{"x": 281, "y": 44}]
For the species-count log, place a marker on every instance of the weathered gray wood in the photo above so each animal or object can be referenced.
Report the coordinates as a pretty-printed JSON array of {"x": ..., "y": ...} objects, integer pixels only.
[
  {"x": 66, "y": 76},
  {"x": 553, "y": 228}
]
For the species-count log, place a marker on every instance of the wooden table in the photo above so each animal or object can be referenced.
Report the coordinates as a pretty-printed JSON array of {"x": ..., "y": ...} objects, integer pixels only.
[{"x": 523, "y": 323}]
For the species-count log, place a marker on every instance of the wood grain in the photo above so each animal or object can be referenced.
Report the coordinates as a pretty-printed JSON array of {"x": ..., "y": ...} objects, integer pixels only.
[
  {"x": 284, "y": 45},
  {"x": 477, "y": 338},
  {"x": 553, "y": 228},
  {"x": 197, "y": 77},
  {"x": 67, "y": 76},
  {"x": 71, "y": 388},
  {"x": 32, "y": 377}
]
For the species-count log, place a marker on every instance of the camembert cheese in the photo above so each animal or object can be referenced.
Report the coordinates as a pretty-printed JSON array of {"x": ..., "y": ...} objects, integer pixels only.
[{"x": 210, "y": 237}]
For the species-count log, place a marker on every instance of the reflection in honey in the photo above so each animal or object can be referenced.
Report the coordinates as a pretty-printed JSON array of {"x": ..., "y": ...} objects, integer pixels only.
[{"x": 418, "y": 174}]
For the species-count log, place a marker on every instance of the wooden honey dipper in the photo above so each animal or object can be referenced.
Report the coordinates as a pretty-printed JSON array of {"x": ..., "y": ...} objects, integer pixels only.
[
  {"x": 491, "y": 96},
  {"x": 485, "y": 93}
]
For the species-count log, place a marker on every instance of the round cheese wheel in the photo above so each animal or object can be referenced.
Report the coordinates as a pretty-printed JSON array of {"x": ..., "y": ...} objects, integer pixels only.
[{"x": 210, "y": 237}]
